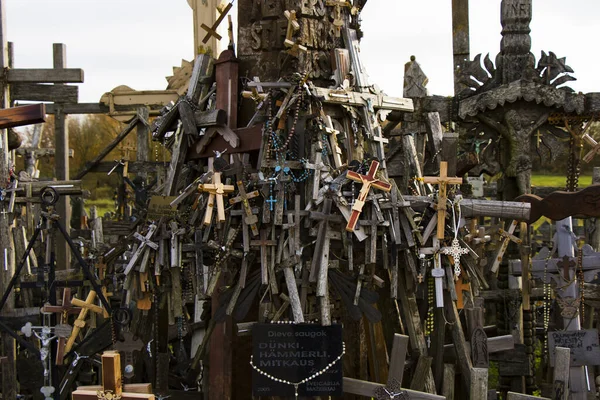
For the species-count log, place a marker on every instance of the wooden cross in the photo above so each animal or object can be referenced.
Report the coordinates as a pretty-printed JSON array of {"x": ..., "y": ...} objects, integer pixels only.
[
  {"x": 367, "y": 181},
  {"x": 264, "y": 261},
  {"x": 373, "y": 223},
  {"x": 338, "y": 21},
  {"x": 442, "y": 181},
  {"x": 320, "y": 261},
  {"x": 86, "y": 306},
  {"x": 319, "y": 169},
  {"x": 566, "y": 264},
  {"x": 143, "y": 249},
  {"x": 461, "y": 285},
  {"x": 393, "y": 388},
  {"x": 112, "y": 385},
  {"x": 216, "y": 191},
  {"x": 332, "y": 134},
  {"x": 393, "y": 204},
  {"x": 507, "y": 237},
  {"x": 212, "y": 31},
  {"x": 294, "y": 47},
  {"x": 250, "y": 219},
  {"x": 64, "y": 309}
]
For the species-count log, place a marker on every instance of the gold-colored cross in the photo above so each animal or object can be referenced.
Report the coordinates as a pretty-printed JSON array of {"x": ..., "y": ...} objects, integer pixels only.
[
  {"x": 293, "y": 26},
  {"x": 338, "y": 21},
  {"x": 442, "y": 181},
  {"x": 86, "y": 306}
]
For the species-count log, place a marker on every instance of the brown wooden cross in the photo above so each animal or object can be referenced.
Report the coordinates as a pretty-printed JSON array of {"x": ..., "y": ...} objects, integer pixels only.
[
  {"x": 294, "y": 48},
  {"x": 112, "y": 384},
  {"x": 212, "y": 31},
  {"x": 332, "y": 134},
  {"x": 442, "y": 181},
  {"x": 506, "y": 237},
  {"x": 86, "y": 306},
  {"x": 265, "y": 267},
  {"x": 243, "y": 197},
  {"x": 367, "y": 181},
  {"x": 460, "y": 286},
  {"x": 64, "y": 310},
  {"x": 216, "y": 191}
]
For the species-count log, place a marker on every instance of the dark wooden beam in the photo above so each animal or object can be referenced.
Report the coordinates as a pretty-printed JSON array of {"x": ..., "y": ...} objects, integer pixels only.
[
  {"x": 42, "y": 92},
  {"x": 24, "y": 115},
  {"x": 34, "y": 75}
]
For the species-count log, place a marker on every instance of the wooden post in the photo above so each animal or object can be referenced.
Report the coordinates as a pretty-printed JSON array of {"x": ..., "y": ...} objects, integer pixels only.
[
  {"x": 6, "y": 251},
  {"x": 460, "y": 39},
  {"x": 143, "y": 138},
  {"x": 479, "y": 384},
  {"x": 205, "y": 12},
  {"x": 562, "y": 362},
  {"x": 61, "y": 162},
  {"x": 448, "y": 386},
  {"x": 227, "y": 85}
]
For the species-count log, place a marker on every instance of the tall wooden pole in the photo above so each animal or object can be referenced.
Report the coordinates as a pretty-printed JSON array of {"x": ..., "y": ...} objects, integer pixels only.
[
  {"x": 7, "y": 254},
  {"x": 205, "y": 12},
  {"x": 61, "y": 162},
  {"x": 460, "y": 39}
]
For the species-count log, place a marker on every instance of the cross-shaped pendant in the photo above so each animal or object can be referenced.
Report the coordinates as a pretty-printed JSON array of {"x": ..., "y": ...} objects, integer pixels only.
[{"x": 455, "y": 251}]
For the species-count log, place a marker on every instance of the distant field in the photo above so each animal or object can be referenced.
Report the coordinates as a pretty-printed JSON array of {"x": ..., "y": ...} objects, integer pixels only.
[{"x": 557, "y": 180}]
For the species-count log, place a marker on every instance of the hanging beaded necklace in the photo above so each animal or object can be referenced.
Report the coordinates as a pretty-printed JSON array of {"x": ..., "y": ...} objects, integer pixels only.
[{"x": 309, "y": 378}]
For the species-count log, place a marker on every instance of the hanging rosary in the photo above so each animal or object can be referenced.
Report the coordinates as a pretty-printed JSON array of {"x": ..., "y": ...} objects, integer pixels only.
[{"x": 309, "y": 378}]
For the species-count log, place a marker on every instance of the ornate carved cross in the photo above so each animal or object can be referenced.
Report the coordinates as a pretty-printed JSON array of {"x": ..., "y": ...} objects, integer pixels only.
[
  {"x": 367, "y": 181},
  {"x": 442, "y": 181}
]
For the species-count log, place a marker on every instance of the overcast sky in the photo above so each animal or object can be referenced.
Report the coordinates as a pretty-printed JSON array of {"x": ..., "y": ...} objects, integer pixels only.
[{"x": 137, "y": 42}]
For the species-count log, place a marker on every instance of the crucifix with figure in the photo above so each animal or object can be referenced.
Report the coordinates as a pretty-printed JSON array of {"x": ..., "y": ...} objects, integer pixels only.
[
  {"x": 369, "y": 180},
  {"x": 443, "y": 180}
]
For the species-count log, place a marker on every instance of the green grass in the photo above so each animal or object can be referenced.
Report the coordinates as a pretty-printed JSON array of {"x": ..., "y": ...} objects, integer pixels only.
[
  {"x": 103, "y": 206},
  {"x": 557, "y": 181}
]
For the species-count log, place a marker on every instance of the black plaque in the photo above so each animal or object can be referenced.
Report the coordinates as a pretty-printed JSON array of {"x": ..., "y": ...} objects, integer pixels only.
[{"x": 294, "y": 352}]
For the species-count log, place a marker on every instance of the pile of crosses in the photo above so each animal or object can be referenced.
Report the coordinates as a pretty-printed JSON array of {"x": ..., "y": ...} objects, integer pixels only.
[{"x": 283, "y": 202}]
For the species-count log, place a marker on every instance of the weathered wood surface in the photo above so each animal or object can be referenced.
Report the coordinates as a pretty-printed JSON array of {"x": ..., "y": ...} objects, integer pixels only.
[
  {"x": 561, "y": 373},
  {"x": 41, "y": 92},
  {"x": 30, "y": 75},
  {"x": 473, "y": 208},
  {"x": 495, "y": 345},
  {"x": 479, "y": 384},
  {"x": 521, "y": 396},
  {"x": 23, "y": 115},
  {"x": 448, "y": 385},
  {"x": 560, "y": 205}
]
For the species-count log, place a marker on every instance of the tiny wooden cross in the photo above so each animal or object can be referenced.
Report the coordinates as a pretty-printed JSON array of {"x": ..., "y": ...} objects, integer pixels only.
[
  {"x": 243, "y": 197},
  {"x": 442, "y": 181},
  {"x": 216, "y": 191},
  {"x": 86, "y": 306},
  {"x": 507, "y": 237},
  {"x": 212, "y": 31},
  {"x": 112, "y": 387},
  {"x": 367, "y": 181},
  {"x": 264, "y": 262}
]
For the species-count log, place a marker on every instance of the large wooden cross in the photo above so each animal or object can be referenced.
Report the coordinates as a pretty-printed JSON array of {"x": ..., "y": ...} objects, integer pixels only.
[
  {"x": 249, "y": 219},
  {"x": 212, "y": 31},
  {"x": 393, "y": 388},
  {"x": 367, "y": 181},
  {"x": 112, "y": 385},
  {"x": 442, "y": 181},
  {"x": 86, "y": 306}
]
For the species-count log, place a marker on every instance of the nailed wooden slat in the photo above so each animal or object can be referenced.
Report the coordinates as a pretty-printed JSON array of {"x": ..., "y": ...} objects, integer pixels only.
[
  {"x": 23, "y": 115},
  {"x": 42, "y": 92},
  {"x": 32, "y": 75}
]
